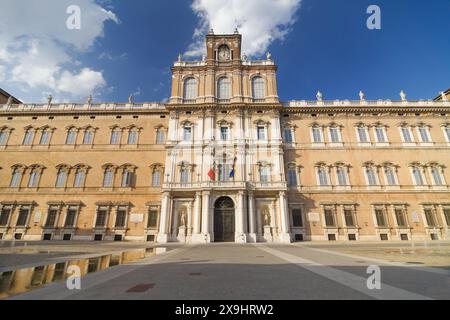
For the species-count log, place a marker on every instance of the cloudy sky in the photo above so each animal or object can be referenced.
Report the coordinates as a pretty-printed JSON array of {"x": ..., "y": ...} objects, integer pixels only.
[{"x": 125, "y": 47}]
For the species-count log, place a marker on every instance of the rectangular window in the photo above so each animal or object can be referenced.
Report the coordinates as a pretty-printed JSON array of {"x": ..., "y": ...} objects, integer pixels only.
[
  {"x": 431, "y": 220},
  {"x": 45, "y": 138},
  {"x": 34, "y": 179},
  {"x": 159, "y": 136},
  {"x": 380, "y": 134},
  {"x": 16, "y": 179},
  {"x": 297, "y": 218},
  {"x": 292, "y": 177},
  {"x": 349, "y": 218},
  {"x": 100, "y": 222},
  {"x": 23, "y": 217},
  {"x": 156, "y": 179},
  {"x": 28, "y": 138},
  {"x": 424, "y": 134},
  {"x": 108, "y": 179},
  {"x": 447, "y": 132},
  {"x": 329, "y": 218},
  {"x": 437, "y": 178},
  {"x": 406, "y": 135},
  {"x": 323, "y": 177},
  {"x": 224, "y": 133},
  {"x": 61, "y": 179},
  {"x": 447, "y": 216},
  {"x": 187, "y": 134},
  {"x": 371, "y": 177},
  {"x": 362, "y": 134},
  {"x": 70, "y": 217},
  {"x": 132, "y": 137},
  {"x": 390, "y": 177},
  {"x": 71, "y": 137},
  {"x": 88, "y": 136},
  {"x": 401, "y": 219},
  {"x": 317, "y": 135},
  {"x": 261, "y": 132},
  {"x": 381, "y": 218},
  {"x": 127, "y": 179},
  {"x": 4, "y": 217},
  {"x": 3, "y": 137},
  {"x": 80, "y": 176},
  {"x": 264, "y": 174},
  {"x": 184, "y": 175},
  {"x": 418, "y": 179},
  {"x": 121, "y": 216},
  {"x": 115, "y": 137},
  {"x": 51, "y": 217},
  {"x": 152, "y": 222},
  {"x": 288, "y": 135},
  {"x": 224, "y": 172},
  {"x": 342, "y": 177},
  {"x": 334, "y": 135}
]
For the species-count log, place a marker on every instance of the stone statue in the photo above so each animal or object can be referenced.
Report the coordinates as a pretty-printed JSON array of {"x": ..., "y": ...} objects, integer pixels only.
[
  {"x": 319, "y": 96},
  {"x": 9, "y": 102},
  {"x": 211, "y": 31},
  {"x": 362, "y": 97},
  {"x": 244, "y": 57},
  {"x": 49, "y": 99},
  {"x": 180, "y": 57},
  {"x": 203, "y": 58},
  {"x": 89, "y": 99},
  {"x": 266, "y": 215},
  {"x": 269, "y": 56},
  {"x": 443, "y": 96},
  {"x": 130, "y": 99},
  {"x": 402, "y": 95},
  {"x": 183, "y": 219}
]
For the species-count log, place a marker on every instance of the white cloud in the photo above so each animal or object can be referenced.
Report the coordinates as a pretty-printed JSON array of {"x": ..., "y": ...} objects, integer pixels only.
[
  {"x": 259, "y": 21},
  {"x": 39, "y": 53}
]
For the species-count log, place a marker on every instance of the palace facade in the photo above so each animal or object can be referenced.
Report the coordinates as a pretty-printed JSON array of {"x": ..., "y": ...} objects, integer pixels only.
[{"x": 225, "y": 160}]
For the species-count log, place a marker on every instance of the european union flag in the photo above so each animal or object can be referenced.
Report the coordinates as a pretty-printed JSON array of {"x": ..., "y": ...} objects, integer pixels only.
[{"x": 232, "y": 173}]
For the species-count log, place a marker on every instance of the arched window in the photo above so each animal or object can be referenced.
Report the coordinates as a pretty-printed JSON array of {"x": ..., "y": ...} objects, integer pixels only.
[
  {"x": 17, "y": 174},
  {"x": 258, "y": 89},
  {"x": 390, "y": 176},
  {"x": 190, "y": 89},
  {"x": 156, "y": 178},
  {"x": 323, "y": 176},
  {"x": 116, "y": 135},
  {"x": 71, "y": 137},
  {"x": 28, "y": 137},
  {"x": 4, "y": 135},
  {"x": 341, "y": 176},
  {"x": 61, "y": 178},
  {"x": 160, "y": 135},
  {"x": 108, "y": 175},
  {"x": 35, "y": 176},
  {"x": 418, "y": 178},
  {"x": 133, "y": 135},
  {"x": 128, "y": 176},
  {"x": 223, "y": 88}
]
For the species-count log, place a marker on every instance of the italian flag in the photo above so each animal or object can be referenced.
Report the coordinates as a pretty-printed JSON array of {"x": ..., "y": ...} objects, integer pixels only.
[{"x": 212, "y": 172}]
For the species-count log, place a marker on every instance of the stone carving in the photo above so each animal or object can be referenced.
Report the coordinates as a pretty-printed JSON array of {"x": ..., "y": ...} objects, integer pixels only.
[
  {"x": 362, "y": 96},
  {"x": 89, "y": 99},
  {"x": 269, "y": 56},
  {"x": 180, "y": 57},
  {"x": 131, "y": 99},
  {"x": 183, "y": 219},
  {"x": 49, "y": 99},
  {"x": 244, "y": 57},
  {"x": 402, "y": 95},
  {"x": 266, "y": 216},
  {"x": 319, "y": 96}
]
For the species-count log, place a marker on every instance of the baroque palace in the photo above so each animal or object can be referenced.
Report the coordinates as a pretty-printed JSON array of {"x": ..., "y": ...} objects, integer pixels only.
[{"x": 225, "y": 160}]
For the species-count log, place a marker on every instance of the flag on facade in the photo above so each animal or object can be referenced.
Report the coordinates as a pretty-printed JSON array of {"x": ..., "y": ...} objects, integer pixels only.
[
  {"x": 212, "y": 172},
  {"x": 233, "y": 170}
]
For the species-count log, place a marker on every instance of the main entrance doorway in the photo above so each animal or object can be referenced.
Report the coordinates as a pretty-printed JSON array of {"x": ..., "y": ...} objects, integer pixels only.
[{"x": 224, "y": 220}]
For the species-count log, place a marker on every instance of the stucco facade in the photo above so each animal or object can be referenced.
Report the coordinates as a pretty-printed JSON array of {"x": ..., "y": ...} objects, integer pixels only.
[{"x": 225, "y": 160}]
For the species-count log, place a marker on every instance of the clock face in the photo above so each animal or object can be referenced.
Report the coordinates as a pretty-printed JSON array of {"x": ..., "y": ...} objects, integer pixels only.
[{"x": 224, "y": 53}]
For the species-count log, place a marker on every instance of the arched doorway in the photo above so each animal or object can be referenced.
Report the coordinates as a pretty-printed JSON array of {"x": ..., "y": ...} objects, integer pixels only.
[{"x": 224, "y": 220}]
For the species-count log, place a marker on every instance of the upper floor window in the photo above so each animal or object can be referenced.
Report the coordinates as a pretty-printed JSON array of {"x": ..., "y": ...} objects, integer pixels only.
[
  {"x": 380, "y": 217},
  {"x": 335, "y": 135},
  {"x": 407, "y": 135},
  {"x": 28, "y": 137},
  {"x": 4, "y": 135},
  {"x": 292, "y": 176},
  {"x": 447, "y": 133},
  {"x": 224, "y": 133},
  {"x": 190, "y": 89},
  {"x": 288, "y": 135},
  {"x": 5, "y": 215},
  {"x": 418, "y": 177},
  {"x": 116, "y": 135},
  {"x": 380, "y": 134},
  {"x": 436, "y": 173},
  {"x": 128, "y": 176},
  {"x": 71, "y": 216},
  {"x": 16, "y": 177},
  {"x": 424, "y": 134},
  {"x": 261, "y": 133},
  {"x": 349, "y": 217},
  {"x": 390, "y": 176},
  {"x": 156, "y": 178},
  {"x": 224, "y": 171},
  {"x": 160, "y": 136},
  {"x": 258, "y": 89},
  {"x": 330, "y": 220},
  {"x": 184, "y": 175},
  {"x": 322, "y": 174},
  {"x": 88, "y": 137},
  {"x": 61, "y": 178},
  {"x": 363, "y": 135},
  {"x": 187, "y": 133},
  {"x": 45, "y": 137},
  {"x": 264, "y": 174},
  {"x": 35, "y": 176},
  {"x": 80, "y": 177},
  {"x": 317, "y": 134},
  {"x": 371, "y": 176},
  {"x": 446, "y": 212},
  {"x": 430, "y": 217},
  {"x": 133, "y": 136},
  {"x": 341, "y": 176},
  {"x": 71, "y": 137},
  {"x": 108, "y": 179},
  {"x": 223, "y": 88},
  {"x": 22, "y": 219},
  {"x": 400, "y": 217}
]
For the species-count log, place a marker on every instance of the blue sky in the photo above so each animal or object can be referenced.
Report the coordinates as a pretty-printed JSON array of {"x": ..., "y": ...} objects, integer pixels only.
[{"x": 323, "y": 45}]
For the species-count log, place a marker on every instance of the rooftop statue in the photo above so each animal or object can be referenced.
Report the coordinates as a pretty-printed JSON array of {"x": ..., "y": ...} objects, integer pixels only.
[
  {"x": 130, "y": 99},
  {"x": 49, "y": 99},
  {"x": 403, "y": 95},
  {"x": 443, "y": 96},
  {"x": 362, "y": 97},
  {"x": 319, "y": 96}
]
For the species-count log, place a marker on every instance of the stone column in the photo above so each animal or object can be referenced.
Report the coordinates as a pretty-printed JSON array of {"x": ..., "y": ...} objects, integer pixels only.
[
  {"x": 285, "y": 235},
  {"x": 197, "y": 213},
  {"x": 189, "y": 220},
  {"x": 163, "y": 223},
  {"x": 174, "y": 217},
  {"x": 252, "y": 217},
  {"x": 241, "y": 236},
  {"x": 206, "y": 232}
]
